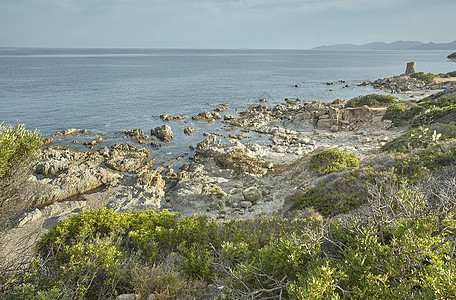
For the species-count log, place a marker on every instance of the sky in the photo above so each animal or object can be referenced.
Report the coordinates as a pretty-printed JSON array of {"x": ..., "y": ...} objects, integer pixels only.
[{"x": 222, "y": 24}]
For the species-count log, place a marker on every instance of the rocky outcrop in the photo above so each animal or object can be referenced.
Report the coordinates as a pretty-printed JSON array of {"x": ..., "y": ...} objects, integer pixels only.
[
  {"x": 233, "y": 155},
  {"x": 207, "y": 116},
  {"x": 70, "y": 131},
  {"x": 72, "y": 172},
  {"x": 406, "y": 83},
  {"x": 172, "y": 118},
  {"x": 127, "y": 158},
  {"x": 163, "y": 132}
]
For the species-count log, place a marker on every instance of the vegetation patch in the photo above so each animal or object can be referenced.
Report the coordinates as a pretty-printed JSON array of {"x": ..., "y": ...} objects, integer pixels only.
[
  {"x": 340, "y": 194},
  {"x": 372, "y": 100},
  {"x": 339, "y": 101},
  {"x": 452, "y": 56},
  {"x": 430, "y": 110},
  {"x": 398, "y": 114},
  {"x": 333, "y": 160},
  {"x": 428, "y": 77},
  {"x": 18, "y": 149},
  {"x": 16, "y": 145},
  {"x": 421, "y": 162}
]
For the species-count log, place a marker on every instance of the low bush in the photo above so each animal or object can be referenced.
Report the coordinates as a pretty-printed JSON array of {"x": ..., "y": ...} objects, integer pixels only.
[
  {"x": 372, "y": 100},
  {"x": 428, "y": 78},
  {"x": 420, "y": 162},
  {"x": 339, "y": 101},
  {"x": 452, "y": 74},
  {"x": 420, "y": 137},
  {"x": 398, "y": 114},
  {"x": 333, "y": 160},
  {"x": 452, "y": 56}
]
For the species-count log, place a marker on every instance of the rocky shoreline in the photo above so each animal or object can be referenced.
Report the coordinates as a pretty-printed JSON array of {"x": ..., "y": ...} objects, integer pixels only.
[{"x": 224, "y": 179}]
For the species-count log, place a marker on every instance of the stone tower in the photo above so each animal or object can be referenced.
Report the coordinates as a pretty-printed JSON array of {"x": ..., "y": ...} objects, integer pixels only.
[{"x": 410, "y": 68}]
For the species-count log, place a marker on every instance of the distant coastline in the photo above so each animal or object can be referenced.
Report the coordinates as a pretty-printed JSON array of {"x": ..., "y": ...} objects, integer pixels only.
[{"x": 398, "y": 45}]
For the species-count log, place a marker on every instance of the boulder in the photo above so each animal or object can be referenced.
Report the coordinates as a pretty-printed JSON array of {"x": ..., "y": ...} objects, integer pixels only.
[
  {"x": 189, "y": 130},
  {"x": 324, "y": 123},
  {"x": 163, "y": 132},
  {"x": 251, "y": 194},
  {"x": 245, "y": 204}
]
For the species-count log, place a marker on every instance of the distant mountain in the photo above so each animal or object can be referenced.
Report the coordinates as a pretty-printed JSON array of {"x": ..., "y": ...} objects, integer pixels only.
[{"x": 399, "y": 45}]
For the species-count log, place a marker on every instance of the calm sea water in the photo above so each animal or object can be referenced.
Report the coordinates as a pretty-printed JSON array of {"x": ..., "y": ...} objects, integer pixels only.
[{"x": 110, "y": 90}]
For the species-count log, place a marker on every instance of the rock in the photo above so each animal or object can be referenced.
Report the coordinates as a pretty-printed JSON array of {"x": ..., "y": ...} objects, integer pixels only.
[
  {"x": 137, "y": 134},
  {"x": 262, "y": 100},
  {"x": 151, "y": 179},
  {"x": 128, "y": 158},
  {"x": 231, "y": 156},
  {"x": 66, "y": 132},
  {"x": 334, "y": 128},
  {"x": 245, "y": 204},
  {"x": 324, "y": 123},
  {"x": 410, "y": 69},
  {"x": 207, "y": 116},
  {"x": 47, "y": 140},
  {"x": 75, "y": 180},
  {"x": 94, "y": 142},
  {"x": 152, "y": 297},
  {"x": 125, "y": 297},
  {"x": 220, "y": 109},
  {"x": 238, "y": 136},
  {"x": 172, "y": 118},
  {"x": 251, "y": 194},
  {"x": 189, "y": 130},
  {"x": 163, "y": 132}
]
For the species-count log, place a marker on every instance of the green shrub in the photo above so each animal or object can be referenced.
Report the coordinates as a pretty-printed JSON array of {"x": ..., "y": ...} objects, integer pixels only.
[
  {"x": 452, "y": 74},
  {"x": 427, "y": 111},
  {"x": 338, "y": 101},
  {"x": 432, "y": 115},
  {"x": 416, "y": 164},
  {"x": 333, "y": 160},
  {"x": 17, "y": 144},
  {"x": 452, "y": 56},
  {"x": 428, "y": 78},
  {"x": 372, "y": 100},
  {"x": 331, "y": 204},
  {"x": 398, "y": 114},
  {"x": 18, "y": 150}
]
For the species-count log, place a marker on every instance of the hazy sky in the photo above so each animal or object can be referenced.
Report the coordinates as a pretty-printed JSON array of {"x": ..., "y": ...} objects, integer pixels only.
[{"x": 273, "y": 24}]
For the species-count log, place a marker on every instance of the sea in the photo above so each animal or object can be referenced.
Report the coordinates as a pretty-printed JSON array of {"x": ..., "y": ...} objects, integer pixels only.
[{"x": 107, "y": 91}]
